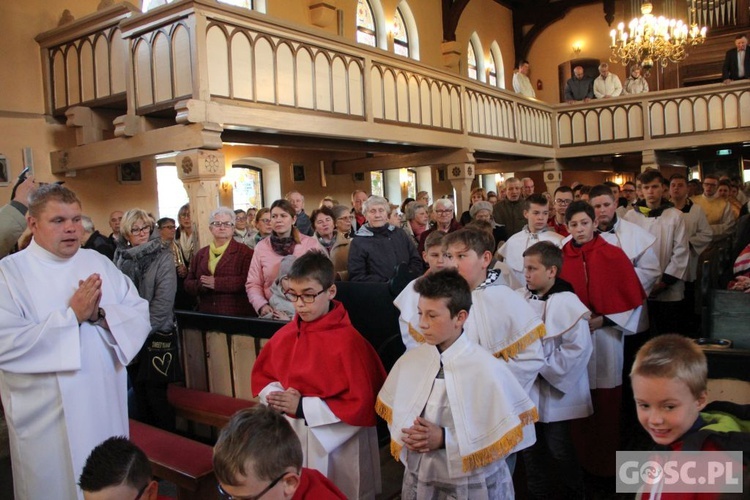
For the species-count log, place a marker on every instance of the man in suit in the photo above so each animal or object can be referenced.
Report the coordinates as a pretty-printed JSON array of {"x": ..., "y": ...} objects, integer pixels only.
[{"x": 737, "y": 61}]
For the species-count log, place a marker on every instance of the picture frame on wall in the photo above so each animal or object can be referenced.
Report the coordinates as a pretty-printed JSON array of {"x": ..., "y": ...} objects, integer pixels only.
[
  {"x": 298, "y": 172},
  {"x": 4, "y": 171},
  {"x": 129, "y": 173},
  {"x": 441, "y": 175},
  {"x": 359, "y": 177}
]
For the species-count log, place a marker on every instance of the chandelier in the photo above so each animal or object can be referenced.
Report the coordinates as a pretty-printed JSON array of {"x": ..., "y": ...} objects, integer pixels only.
[{"x": 650, "y": 39}]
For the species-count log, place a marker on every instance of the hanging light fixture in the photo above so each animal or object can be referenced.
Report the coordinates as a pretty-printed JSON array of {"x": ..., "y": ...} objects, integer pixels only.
[{"x": 649, "y": 40}]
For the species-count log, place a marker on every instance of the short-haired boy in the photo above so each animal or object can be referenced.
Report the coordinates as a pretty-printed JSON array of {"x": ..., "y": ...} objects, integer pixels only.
[
  {"x": 536, "y": 213},
  {"x": 117, "y": 469},
  {"x": 500, "y": 321},
  {"x": 453, "y": 411},
  {"x": 258, "y": 453},
  {"x": 324, "y": 376},
  {"x": 592, "y": 266},
  {"x": 406, "y": 302},
  {"x": 561, "y": 392}
]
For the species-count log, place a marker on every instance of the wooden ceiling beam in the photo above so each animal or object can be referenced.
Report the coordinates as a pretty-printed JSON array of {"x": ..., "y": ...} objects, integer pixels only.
[{"x": 436, "y": 157}]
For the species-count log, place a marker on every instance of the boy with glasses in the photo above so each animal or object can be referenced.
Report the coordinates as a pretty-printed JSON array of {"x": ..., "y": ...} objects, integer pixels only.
[
  {"x": 324, "y": 376},
  {"x": 258, "y": 454},
  {"x": 562, "y": 198},
  {"x": 718, "y": 210}
]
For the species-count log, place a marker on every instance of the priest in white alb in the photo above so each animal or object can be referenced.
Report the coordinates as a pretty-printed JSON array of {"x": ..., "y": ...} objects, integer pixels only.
[{"x": 69, "y": 324}]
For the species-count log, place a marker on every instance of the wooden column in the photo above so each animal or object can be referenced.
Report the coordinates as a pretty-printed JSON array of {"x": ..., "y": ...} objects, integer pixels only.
[
  {"x": 201, "y": 170},
  {"x": 552, "y": 175},
  {"x": 461, "y": 176}
]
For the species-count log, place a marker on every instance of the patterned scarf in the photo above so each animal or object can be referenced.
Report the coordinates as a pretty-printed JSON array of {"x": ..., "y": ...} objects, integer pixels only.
[{"x": 282, "y": 246}]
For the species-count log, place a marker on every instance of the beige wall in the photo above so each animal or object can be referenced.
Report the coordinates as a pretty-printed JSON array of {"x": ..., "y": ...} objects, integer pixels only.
[{"x": 555, "y": 46}]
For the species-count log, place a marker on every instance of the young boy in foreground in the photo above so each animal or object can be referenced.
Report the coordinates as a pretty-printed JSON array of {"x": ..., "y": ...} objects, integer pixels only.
[
  {"x": 406, "y": 302},
  {"x": 561, "y": 391},
  {"x": 117, "y": 470},
  {"x": 258, "y": 454},
  {"x": 324, "y": 376},
  {"x": 454, "y": 412},
  {"x": 536, "y": 213}
]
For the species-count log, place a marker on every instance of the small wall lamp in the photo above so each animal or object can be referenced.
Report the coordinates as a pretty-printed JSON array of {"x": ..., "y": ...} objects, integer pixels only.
[{"x": 577, "y": 48}]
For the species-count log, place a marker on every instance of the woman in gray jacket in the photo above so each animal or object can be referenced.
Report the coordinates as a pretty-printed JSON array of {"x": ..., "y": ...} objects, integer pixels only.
[{"x": 149, "y": 263}]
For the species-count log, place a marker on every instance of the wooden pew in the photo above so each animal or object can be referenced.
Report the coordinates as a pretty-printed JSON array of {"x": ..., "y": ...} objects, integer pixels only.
[
  {"x": 729, "y": 317},
  {"x": 204, "y": 407},
  {"x": 186, "y": 463}
]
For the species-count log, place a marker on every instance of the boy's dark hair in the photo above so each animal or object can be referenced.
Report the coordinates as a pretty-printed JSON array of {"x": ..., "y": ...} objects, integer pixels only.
[
  {"x": 50, "y": 192},
  {"x": 650, "y": 176},
  {"x": 577, "y": 189},
  {"x": 446, "y": 284},
  {"x": 563, "y": 189},
  {"x": 434, "y": 239},
  {"x": 114, "y": 462},
  {"x": 673, "y": 356},
  {"x": 260, "y": 437},
  {"x": 610, "y": 184},
  {"x": 586, "y": 190},
  {"x": 580, "y": 206},
  {"x": 315, "y": 266},
  {"x": 678, "y": 176},
  {"x": 600, "y": 190},
  {"x": 535, "y": 199},
  {"x": 725, "y": 182},
  {"x": 628, "y": 182},
  {"x": 711, "y": 176},
  {"x": 549, "y": 254},
  {"x": 472, "y": 238}
]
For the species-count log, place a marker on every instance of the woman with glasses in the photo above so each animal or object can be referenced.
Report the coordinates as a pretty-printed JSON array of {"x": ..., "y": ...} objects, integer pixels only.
[
  {"x": 417, "y": 220},
  {"x": 335, "y": 243},
  {"x": 262, "y": 224},
  {"x": 218, "y": 271},
  {"x": 380, "y": 247},
  {"x": 284, "y": 240},
  {"x": 342, "y": 216},
  {"x": 149, "y": 263}
]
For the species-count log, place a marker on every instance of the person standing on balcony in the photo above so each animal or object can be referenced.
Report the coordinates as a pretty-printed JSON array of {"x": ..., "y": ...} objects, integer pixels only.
[
  {"x": 578, "y": 88},
  {"x": 606, "y": 84},
  {"x": 737, "y": 61},
  {"x": 636, "y": 83},
  {"x": 521, "y": 82}
]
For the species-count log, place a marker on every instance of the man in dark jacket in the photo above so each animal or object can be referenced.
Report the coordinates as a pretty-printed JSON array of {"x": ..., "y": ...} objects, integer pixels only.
[
  {"x": 737, "y": 61},
  {"x": 509, "y": 212},
  {"x": 579, "y": 88},
  {"x": 94, "y": 240}
]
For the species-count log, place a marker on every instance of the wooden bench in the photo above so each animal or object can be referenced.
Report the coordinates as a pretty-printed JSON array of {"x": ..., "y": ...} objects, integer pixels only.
[
  {"x": 204, "y": 407},
  {"x": 186, "y": 463},
  {"x": 729, "y": 317}
]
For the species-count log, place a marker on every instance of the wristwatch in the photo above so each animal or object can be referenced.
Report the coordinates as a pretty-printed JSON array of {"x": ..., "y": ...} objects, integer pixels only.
[{"x": 101, "y": 316}]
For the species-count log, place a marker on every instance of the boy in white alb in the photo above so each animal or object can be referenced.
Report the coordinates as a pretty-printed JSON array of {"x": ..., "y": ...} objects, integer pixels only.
[
  {"x": 562, "y": 388},
  {"x": 453, "y": 411},
  {"x": 408, "y": 320},
  {"x": 536, "y": 212}
]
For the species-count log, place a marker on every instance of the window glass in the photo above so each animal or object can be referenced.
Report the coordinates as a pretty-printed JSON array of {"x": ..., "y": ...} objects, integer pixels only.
[
  {"x": 471, "y": 59},
  {"x": 365, "y": 24},
  {"x": 400, "y": 35},
  {"x": 170, "y": 191},
  {"x": 247, "y": 187},
  {"x": 376, "y": 183}
]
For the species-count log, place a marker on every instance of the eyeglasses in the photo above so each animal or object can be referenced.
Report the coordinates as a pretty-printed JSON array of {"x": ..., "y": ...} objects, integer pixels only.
[
  {"x": 628, "y": 190},
  {"x": 217, "y": 223},
  {"x": 710, "y": 184},
  {"x": 226, "y": 496},
  {"x": 560, "y": 201},
  {"x": 265, "y": 221},
  {"x": 141, "y": 491},
  {"x": 443, "y": 212},
  {"x": 307, "y": 298},
  {"x": 240, "y": 217},
  {"x": 140, "y": 230}
]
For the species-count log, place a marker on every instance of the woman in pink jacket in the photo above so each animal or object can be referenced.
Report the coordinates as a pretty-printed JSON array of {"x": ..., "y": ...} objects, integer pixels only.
[{"x": 284, "y": 240}]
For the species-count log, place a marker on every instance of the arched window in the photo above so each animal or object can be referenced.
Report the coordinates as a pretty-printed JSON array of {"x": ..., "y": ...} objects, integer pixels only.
[
  {"x": 400, "y": 35},
  {"x": 491, "y": 71},
  {"x": 247, "y": 186},
  {"x": 471, "y": 61},
  {"x": 366, "y": 33},
  {"x": 496, "y": 59}
]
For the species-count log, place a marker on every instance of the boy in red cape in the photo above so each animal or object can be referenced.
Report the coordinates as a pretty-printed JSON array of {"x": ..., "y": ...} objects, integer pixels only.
[
  {"x": 324, "y": 376},
  {"x": 604, "y": 279},
  {"x": 257, "y": 454}
]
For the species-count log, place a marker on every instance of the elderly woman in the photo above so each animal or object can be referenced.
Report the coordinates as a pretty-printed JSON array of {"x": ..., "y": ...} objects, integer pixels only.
[
  {"x": 445, "y": 221},
  {"x": 284, "y": 240},
  {"x": 149, "y": 263},
  {"x": 482, "y": 210},
  {"x": 417, "y": 221},
  {"x": 186, "y": 238},
  {"x": 262, "y": 226},
  {"x": 379, "y": 246},
  {"x": 342, "y": 216},
  {"x": 635, "y": 83},
  {"x": 477, "y": 194},
  {"x": 218, "y": 271},
  {"x": 334, "y": 242}
]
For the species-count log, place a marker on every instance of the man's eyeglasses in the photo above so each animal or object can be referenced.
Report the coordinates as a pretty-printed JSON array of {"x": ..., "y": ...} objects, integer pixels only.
[
  {"x": 711, "y": 184},
  {"x": 443, "y": 212},
  {"x": 226, "y": 496},
  {"x": 240, "y": 217},
  {"x": 307, "y": 298},
  {"x": 217, "y": 223},
  {"x": 560, "y": 201},
  {"x": 140, "y": 230}
]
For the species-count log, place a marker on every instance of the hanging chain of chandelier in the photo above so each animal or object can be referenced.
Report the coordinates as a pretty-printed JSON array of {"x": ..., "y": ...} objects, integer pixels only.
[{"x": 651, "y": 40}]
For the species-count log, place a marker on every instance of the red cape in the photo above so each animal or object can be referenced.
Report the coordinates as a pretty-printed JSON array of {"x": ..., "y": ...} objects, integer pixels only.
[
  {"x": 326, "y": 358},
  {"x": 315, "y": 486},
  {"x": 602, "y": 276}
]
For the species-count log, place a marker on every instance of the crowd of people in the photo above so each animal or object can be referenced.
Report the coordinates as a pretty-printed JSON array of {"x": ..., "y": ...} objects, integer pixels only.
[{"x": 521, "y": 319}]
